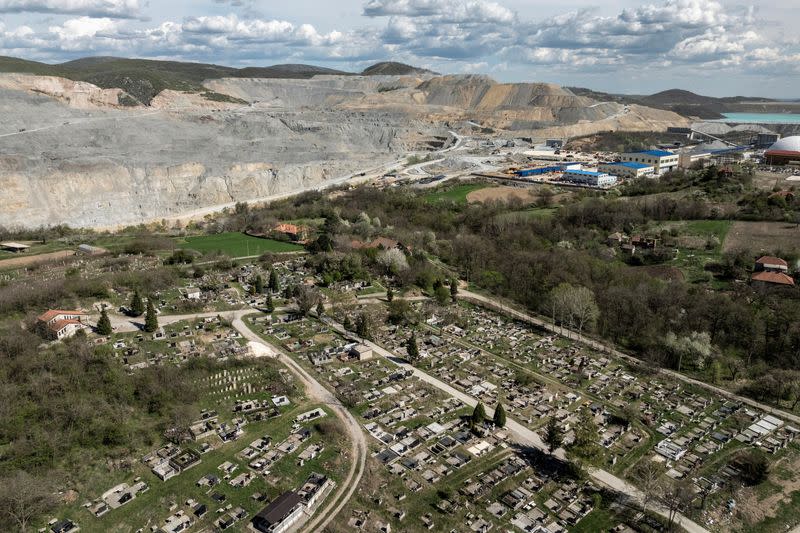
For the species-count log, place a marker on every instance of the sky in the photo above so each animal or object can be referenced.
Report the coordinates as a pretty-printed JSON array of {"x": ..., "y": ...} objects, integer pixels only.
[{"x": 713, "y": 47}]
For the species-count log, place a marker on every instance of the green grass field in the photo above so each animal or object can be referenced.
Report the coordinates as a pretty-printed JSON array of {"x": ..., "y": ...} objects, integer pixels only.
[
  {"x": 237, "y": 245},
  {"x": 457, "y": 194}
]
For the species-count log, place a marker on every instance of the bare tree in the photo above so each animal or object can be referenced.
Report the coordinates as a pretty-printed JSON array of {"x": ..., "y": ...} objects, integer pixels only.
[
  {"x": 306, "y": 298},
  {"x": 675, "y": 496},
  {"x": 648, "y": 478},
  {"x": 24, "y": 498},
  {"x": 574, "y": 306}
]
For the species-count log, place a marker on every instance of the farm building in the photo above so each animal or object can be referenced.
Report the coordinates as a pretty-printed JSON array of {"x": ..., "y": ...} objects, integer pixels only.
[
  {"x": 661, "y": 160},
  {"x": 765, "y": 279},
  {"x": 627, "y": 169}
]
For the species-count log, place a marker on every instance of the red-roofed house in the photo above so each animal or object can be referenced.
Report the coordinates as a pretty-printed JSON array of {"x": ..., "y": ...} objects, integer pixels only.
[
  {"x": 771, "y": 279},
  {"x": 59, "y": 324},
  {"x": 771, "y": 264},
  {"x": 294, "y": 232}
]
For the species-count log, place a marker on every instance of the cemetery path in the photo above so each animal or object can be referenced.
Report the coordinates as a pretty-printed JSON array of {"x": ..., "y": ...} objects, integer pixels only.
[
  {"x": 492, "y": 303},
  {"x": 524, "y": 435},
  {"x": 322, "y": 517}
]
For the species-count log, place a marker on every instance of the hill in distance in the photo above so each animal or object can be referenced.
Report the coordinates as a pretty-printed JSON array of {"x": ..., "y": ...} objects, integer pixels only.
[
  {"x": 392, "y": 68},
  {"x": 144, "y": 78},
  {"x": 683, "y": 102}
]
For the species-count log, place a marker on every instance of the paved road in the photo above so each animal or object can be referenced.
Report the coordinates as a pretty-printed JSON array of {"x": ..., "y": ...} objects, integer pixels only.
[
  {"x": 532, "y": 319},
  {"x": 526, "y": 436}
]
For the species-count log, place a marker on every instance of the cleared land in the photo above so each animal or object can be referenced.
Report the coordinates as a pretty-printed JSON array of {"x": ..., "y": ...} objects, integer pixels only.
[
  {"x": 456, "y": 195},
  {"x": 763, "y": 237},
  {"x": 22, "y": 260},
  {"x": 237, "y": 245},
  {"x": 504, "y": 194}
]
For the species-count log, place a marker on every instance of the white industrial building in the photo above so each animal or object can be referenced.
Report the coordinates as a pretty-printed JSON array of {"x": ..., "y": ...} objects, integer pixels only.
[
  {"x": 627, "y": 169},
  {"x": 589, "y": 178},
  {"x": 661, "y": 160}
]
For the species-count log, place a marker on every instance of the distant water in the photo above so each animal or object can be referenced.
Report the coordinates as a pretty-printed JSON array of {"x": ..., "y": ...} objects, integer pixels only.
[{"x": 760, "y": 118}]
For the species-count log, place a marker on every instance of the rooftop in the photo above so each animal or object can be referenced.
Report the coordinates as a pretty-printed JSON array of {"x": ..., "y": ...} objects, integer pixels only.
[
  {"x": 586, "y": 173},
  {"x": 778, "y": 278},
  {"x": 54, "y": 313},
  {"x": 655, "y": 153},
  {"x": 631, "y": 164},
  {"x": 770, "y": 260},
  {"x": 279, "y": 509}
]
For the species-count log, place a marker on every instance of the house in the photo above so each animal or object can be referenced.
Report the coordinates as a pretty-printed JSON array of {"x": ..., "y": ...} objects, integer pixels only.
[
  {"x": 59, "y": 324},
  {"x": 768, "y": 263},
  {"x": 294, "y": 232},
  {"x": 280, "y": 515},
  {"x": 776, "y": 279}
]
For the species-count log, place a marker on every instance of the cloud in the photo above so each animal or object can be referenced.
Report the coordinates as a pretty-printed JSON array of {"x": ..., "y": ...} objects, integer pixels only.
[
  {"x": 442, "y": 11},
  {"x": 125, "y": 9}
]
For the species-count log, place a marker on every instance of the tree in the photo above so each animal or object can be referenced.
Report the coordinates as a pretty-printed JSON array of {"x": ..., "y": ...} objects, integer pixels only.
[
  {"x": 442, "y": 295},
  {"x": 389, "y": 295},
  {"x": 585, "y": 445},
  {"x": 675, "y": 496},
  {"x": 274, "y": 283},
  {"x": 478, "y": 414},
  {"x": 259, "y": 284},
  {"x": 104, "y": 324},
  {"x": 454, "y": 289},
  {"x": 753, "y": 467},
  {"x": 347, "y": 324},
  {"x": 499, "y": 416},
  {"x": 401, "y": 312},
  {"x": 137, "y": 306},
  {"x": 320, "y": 309},
  {"x": 364, "y": 326},
  {"x": 150, "y": 319},
  {"x": 269, "y": 304},
  {"x": 393, "y": 261},
  {"x": 306, "y": 298},
  {"x": 553, "y": 435},
  {"x": 412, "y": 349},
  {"x": 24, "y": 498},
  {"x": 574, "y": 306},
  {"x": 696, "y": 346},
  {"x": 648, "y": 478}
]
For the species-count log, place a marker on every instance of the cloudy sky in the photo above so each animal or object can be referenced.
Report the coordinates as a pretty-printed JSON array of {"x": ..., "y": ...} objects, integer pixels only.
[{"x": 716, "y": 47}]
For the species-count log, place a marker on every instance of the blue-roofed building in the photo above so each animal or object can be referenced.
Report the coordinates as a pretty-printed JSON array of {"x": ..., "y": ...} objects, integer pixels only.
[
  {"x": 628, "y": 169},
  {"x": 661, "y": 160},
  {"x": 589, "y": 178}
]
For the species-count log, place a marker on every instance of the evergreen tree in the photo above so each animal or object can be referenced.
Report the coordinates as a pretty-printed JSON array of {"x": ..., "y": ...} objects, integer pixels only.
[
  {"x": 320, "y": 309},
  {"x": 553, "y": 436},
  {"x": 454, "y": 289},
  {"x": 499, "y": 416},
  {"x": 412, "y": 348},
  {"x": 104, "y": 324},
  {"x": 364, "y": 326},
  {"x": 274, "y": 283},
  {"x": 479, "y": 414},
  {"x": 137, "y": 307},
  {"x": 150, "y": 319},
  {"x": 389, "y": 295},
  {"x": 347, "y": 324},
  {"x": 585, "y": 445},
  {"x": 270, "y": 306},
  {"x": 259, "y": 284},
  {"x": 442, "y": 295}
]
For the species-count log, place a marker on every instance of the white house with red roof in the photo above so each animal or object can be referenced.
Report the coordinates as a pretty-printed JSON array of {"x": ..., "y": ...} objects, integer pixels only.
[
  {"x": 59, "y": 324},
  {"x": 769, "y": 263}
]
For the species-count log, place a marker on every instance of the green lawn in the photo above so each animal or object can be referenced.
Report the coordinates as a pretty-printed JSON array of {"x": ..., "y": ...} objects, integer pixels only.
[
  {"x": 457, "y": 194},
  {"x": 237, "y": 245}
]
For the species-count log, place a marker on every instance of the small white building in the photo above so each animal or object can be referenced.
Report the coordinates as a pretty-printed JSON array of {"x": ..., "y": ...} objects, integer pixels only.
[
  {"x": 661, "y": 160},
  {"x": 627, "y": 169}
]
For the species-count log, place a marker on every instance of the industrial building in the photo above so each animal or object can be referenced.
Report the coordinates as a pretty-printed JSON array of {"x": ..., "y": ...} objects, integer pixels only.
[
  {"x": 539, "y": 171},
  {"x": 589, "y": 178},
  {"x": 765, "y": 140},
  {"x": 661, "y": 160},
  {"x": 783, "y": 152},
  {"x": 627, "y": 169}
]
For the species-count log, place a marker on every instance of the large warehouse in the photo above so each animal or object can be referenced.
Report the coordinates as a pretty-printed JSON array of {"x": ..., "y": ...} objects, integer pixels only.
[{"x": 784, "y": 151}]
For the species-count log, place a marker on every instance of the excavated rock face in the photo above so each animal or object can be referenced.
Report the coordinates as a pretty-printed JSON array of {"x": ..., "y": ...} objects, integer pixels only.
[{"x": 96, "y": 157}]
